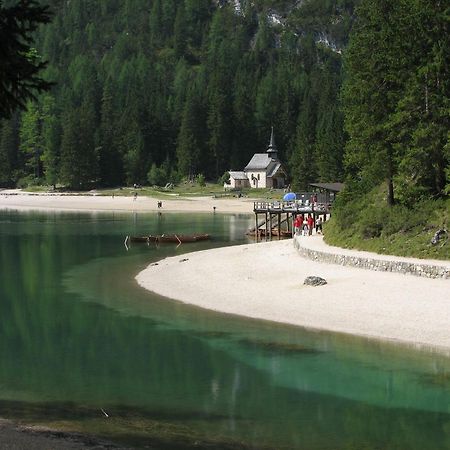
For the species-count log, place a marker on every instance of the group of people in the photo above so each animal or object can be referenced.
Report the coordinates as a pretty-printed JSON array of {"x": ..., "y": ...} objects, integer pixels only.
[{"x": 305, "y": 225}]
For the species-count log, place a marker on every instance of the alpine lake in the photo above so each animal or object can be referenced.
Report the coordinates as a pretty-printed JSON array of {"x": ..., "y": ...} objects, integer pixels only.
[{"x": 84, "y": 349}]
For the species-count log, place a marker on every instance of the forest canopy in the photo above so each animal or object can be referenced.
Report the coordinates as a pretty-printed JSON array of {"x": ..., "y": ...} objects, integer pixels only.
[{"x": 156, "y": 91}]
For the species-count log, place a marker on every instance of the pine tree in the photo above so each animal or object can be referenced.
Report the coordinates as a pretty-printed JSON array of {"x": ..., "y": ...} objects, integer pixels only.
[
  {"x": 303, "y": 159},
  {"x": 110, "y": 164},
  {"x": 420, "y": 125},
  {"x": 30, "y": 140},
  {"x": 20, "y": 62},
  {"x": 8, "y": 152},
  {"x": 79, "y": 155},
  {"x": 372, "y": 89},
  {"x": 50, "y": 141},
  {"x": 191, "y": 138},
  {"x": 180, "y": 31}
]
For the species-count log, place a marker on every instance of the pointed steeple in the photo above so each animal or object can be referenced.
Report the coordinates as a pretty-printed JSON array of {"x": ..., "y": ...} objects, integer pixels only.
[{"x": 272, "y": 148}]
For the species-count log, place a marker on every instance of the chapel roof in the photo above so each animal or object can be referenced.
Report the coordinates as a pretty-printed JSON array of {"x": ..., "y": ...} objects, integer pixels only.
[
  {"x": 259, "y": 161},
  {"x": 236, "y": 175},
  {"x": 273, "y": 170}
]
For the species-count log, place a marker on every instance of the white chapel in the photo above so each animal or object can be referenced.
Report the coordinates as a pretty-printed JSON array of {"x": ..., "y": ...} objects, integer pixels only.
[{"x": 264, "y": 170}]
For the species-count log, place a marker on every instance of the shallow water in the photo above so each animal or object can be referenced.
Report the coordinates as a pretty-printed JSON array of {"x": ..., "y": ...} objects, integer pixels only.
[{"x": 80, "y": 341}]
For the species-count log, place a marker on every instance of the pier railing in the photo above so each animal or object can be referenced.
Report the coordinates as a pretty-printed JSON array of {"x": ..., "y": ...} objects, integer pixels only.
[{"x": 295, "y": 206}]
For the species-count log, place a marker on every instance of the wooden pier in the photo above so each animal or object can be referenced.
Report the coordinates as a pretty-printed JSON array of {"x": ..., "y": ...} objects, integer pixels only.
[{"x": 278, "y": 216}]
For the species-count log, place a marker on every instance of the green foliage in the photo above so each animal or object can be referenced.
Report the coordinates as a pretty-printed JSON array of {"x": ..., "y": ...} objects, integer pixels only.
[
  {"x": 8, "y": 152},
  {"x": 396, "y": 97},
  {"x": 225, "y": 178},
  {"x": 200, "y": 179},
  {"x": 50, "y": 141},
  {"x": 187, "y": 81},
  {"x": 368, "y": 223},
  {"x": 30, "y": 139},
  {"x": 20, "y": 62},
  {"x": 157, "y": 176}
]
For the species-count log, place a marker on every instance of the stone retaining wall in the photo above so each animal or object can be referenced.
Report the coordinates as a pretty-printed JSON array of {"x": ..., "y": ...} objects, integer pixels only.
[{"x": 420, "y": 270}]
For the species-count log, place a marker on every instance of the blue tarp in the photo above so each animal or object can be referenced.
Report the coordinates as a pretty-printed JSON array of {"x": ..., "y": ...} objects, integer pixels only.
[{"x": 290, "y": 196}]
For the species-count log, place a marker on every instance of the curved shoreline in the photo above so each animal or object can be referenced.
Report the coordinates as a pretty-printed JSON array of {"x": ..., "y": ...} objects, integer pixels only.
[
  {"x": 265, "y": 281},
  {"x": 97, "y": 203}
]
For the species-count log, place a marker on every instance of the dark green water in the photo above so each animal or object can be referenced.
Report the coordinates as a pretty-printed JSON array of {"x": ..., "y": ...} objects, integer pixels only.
[{"x": 78, "y": 336}]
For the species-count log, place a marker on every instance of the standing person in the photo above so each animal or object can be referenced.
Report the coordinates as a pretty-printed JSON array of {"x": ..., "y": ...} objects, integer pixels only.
[
  {"x": 319, "y": 225},
  {"x": 310, "y": 222},
  {"x": 296, "y": 225},
  {"x": 305, "y": 229},
  {"x": 298, "y": 221}
]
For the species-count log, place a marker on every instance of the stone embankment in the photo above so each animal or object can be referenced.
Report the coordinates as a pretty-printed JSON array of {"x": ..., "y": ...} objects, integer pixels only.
[{"x": 313, "y": 247}]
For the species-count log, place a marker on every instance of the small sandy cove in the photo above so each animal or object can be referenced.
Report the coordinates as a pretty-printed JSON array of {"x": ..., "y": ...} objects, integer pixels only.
[
  {"x": 16, "y": 199},
  {"x": 265, "y": 281}
]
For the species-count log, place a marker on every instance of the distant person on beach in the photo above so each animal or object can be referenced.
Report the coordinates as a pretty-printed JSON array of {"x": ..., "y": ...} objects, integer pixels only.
[
  {"x": 310, "y": 223},
  {"x": 135, "y": 196},
  {"x": 159, "y": 204}
]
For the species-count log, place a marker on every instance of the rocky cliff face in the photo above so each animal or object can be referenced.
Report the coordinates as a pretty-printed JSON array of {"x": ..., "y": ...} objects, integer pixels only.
[{"x": 328, "y": 22}]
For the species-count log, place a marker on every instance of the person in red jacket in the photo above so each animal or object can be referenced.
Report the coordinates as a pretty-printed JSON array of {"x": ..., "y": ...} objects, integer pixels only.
[
  {"x": 310, "y": 222},
  {"x": 298, "y": 221}
]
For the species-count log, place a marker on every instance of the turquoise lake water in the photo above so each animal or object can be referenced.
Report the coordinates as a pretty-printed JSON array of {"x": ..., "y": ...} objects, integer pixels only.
[{"x": 79, "y": 340}]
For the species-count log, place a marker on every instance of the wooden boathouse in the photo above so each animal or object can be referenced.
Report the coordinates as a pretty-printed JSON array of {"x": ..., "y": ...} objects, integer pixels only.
[{"x": 275, "y": 218}]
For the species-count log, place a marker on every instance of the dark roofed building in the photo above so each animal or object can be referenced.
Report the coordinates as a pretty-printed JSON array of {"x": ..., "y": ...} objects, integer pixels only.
[{"x": 330, "y": 187}]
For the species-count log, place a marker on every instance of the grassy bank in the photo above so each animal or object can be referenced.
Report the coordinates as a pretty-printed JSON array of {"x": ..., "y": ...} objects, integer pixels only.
[
  {"x": 185, "y": 189},
  {"x": 368, "y": 223}
]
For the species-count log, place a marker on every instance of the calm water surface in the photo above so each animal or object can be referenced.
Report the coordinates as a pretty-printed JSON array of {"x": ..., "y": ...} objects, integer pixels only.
[{"x": 79, "y": 339}]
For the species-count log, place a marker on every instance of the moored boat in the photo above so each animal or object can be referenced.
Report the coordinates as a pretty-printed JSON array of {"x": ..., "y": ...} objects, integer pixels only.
[{"x": 170, "y": 238}]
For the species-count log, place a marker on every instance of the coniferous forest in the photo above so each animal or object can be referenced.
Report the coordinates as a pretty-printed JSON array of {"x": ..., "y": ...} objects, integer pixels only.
[{"x": 155, "y": 91}]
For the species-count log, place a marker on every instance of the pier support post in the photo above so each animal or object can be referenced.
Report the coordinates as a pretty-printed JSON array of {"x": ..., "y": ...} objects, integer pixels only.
[
  {"x": 279, "y": 225},
  {"x": 267, "y": 226},
  {"x": 270, "y": 225}
]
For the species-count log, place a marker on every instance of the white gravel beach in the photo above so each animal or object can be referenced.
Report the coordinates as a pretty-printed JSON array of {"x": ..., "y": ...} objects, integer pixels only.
[
  {"x": 16, "y": 199},
  {"x": 265, "y": 281}
]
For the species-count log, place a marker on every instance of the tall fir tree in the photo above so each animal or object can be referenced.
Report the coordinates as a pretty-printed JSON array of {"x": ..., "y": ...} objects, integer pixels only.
[
  {"x": 51, "y": 134},
  {"x": 31, "y": 140}
]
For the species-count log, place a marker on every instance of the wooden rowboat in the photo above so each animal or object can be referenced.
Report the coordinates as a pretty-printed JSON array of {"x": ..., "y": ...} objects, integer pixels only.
[
  {"x": 178, "y": 238},
  {"x": 170, "y": 238}
]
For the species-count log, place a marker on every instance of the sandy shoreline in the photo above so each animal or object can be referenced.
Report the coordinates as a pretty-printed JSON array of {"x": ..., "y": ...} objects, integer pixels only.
[
  {"x": 14, "y": 199},
  {"x": 265, "y": 281}
]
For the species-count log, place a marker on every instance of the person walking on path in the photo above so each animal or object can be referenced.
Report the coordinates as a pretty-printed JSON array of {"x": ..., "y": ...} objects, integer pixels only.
[
  {"x": 319, "y": 225},
  {"x": 310, "y": 222},
  {"x": 298, "y": 222}
]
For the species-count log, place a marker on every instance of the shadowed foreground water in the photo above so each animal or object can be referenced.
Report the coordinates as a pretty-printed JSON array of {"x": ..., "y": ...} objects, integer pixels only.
[{"x": 80, "y": 341}]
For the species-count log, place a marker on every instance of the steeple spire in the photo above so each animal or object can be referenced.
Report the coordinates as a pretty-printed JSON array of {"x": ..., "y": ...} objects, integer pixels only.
[{"x": 272, "y": 148}]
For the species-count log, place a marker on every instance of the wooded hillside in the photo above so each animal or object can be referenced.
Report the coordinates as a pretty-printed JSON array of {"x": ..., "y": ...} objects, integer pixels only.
[{"x": 153, "y": 91}]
